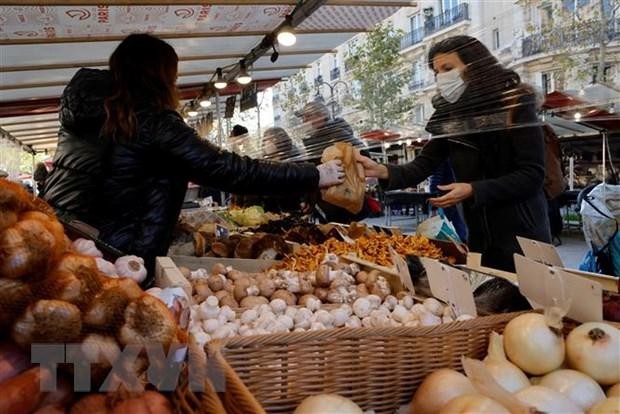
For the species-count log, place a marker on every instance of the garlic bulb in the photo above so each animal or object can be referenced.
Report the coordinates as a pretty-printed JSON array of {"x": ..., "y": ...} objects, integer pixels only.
[
  {"x": 106, "y": 267},
  {"x": 131, "y": 267},
  {"x": 374, "y": 300},
  {"x": 339, "y": 317},
  {"x": 86, "y": 247},
  {"x": 211, "y": 325},
  {"x": 353, "y": 322},
  {"x": 249, "y": 316},
  {"x": 433, "y": 306},
  {"x": 278, "y": 306},
  {"x": 362, "y": 307}
]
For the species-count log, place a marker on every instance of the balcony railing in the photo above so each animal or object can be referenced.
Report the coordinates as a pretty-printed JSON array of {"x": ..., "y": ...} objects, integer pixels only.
[
  {"x": 414, "y": 85},
  {"x": 436, "y": 23},
  {"x": 334, "y": 74},
  {"x": 563, "y": 37}
]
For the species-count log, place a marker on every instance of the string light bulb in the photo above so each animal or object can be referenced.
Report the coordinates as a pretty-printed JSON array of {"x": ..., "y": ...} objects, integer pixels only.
[
  {"x": 243, "y": 77},
  {"x": 192, "y": 113},
  {"x": 220, "y": 83},
  {"x": 577, "y": 116},
  {"x": 205, "y": 103},
  {"x": 286, "y": 35}
]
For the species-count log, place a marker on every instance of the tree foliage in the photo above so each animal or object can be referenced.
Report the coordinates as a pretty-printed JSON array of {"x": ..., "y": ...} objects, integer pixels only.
[{"x": 378, "y": 69}]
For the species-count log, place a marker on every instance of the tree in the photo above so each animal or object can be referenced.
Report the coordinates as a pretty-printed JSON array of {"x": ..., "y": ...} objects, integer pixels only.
[
  {"x": 578, "y": 34},
  {"x": 378, "y": 69},
  {"x": 296, "y": 95}
]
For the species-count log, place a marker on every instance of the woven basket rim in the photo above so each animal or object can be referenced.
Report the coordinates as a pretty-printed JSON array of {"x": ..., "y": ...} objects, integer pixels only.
[{"x": 289, "y": 338}]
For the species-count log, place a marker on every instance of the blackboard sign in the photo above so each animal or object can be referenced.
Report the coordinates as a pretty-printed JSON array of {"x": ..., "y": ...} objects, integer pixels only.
[
  {"x": 230, "y": 106},
  {"x": 249, "y": 97}
]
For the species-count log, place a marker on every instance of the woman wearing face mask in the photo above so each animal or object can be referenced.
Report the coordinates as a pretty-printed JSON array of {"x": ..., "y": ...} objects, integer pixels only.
[{"x": 485, "y": 123}]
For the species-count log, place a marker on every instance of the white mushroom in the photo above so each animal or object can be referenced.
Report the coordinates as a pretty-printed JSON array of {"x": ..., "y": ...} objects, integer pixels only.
[
  {"x": 299, "y": 330},
  {"x": 375, "y": 301},
  {"x": 249, "y": 316},
  {"x": 464, "y": 317},
  {"x": 428, "y": 319},
  {"x": 286, "y": 321},
  {"x": 313, "y": 304},
  {"x": 317, "y": 326},
  {"x": 211, "y": 325},
  {"x": 208, "y": 310},
  {"x": 353, "y": 322},
  {"x": 291, "y": 312},
  {"x": 362, "y": 307},
  {"x": 400, "y": 313},
  {"x": 278, "y": 306},
  {"x": 433, "y": 306},
  {"x": 407, "y": 302},
  {"x": 390, "y": 302},
  {"x": 223, "y": 332},
  {"x": 339, "y": 317},
  {"x": 303, "y": 318},
  {"x": 324, "y": 317},
  {"x": 228, "y": 313}
]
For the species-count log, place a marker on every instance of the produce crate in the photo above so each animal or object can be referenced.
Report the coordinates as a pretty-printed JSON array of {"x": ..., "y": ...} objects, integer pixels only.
[{"x": 378, "y": 368}]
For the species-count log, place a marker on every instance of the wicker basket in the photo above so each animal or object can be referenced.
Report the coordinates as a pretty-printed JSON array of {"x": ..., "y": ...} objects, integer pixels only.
[{"x": 378, "y": 368}]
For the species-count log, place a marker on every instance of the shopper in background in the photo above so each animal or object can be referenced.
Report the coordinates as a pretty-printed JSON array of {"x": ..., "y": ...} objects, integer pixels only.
[
  {"x": 147, "y": 153},
  {"x": 279, "y": 146},
  {"x": 485, "y": 123},
  {"x": 39, "y": 176},
  {"x": 324, "y": 131},
  {"x": 237, "y": 139}
]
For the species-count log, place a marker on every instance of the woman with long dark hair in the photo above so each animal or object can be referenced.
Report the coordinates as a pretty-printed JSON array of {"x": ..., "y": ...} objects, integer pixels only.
[
  {"x": 485, "y": 123},
  {"x": 125, "y": 155}
]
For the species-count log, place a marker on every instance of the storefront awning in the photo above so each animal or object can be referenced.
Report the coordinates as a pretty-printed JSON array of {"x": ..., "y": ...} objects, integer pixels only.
[{"x": 43, "y": 45}]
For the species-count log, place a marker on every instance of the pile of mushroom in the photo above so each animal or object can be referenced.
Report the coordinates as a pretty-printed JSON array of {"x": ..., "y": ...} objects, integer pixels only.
[
  {"x": 209, "y": 320},
  {"x": 333, "y": 282}
]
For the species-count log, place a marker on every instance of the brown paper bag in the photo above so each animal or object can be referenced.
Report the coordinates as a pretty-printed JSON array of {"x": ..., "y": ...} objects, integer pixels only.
[{"x": 350, "y": 194}]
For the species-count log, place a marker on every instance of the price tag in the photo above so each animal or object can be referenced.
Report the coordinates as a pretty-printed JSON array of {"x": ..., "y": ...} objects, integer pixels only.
[
  {"x": 402, "y": 269},
  {"x": 540, "y": 252},
  {"x": 550, "y": 286},
  {"x": 450, "y": 285}
]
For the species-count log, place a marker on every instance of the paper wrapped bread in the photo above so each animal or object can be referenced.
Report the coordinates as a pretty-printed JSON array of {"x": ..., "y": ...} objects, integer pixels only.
[{"x": 350, "y": 194}]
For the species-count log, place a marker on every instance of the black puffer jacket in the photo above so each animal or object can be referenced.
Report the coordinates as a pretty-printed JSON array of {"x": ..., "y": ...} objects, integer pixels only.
[
  {"x": 144, "y": 178},
  {"x": 73, "y": 185},
  {"x": 504, "y": 164}
]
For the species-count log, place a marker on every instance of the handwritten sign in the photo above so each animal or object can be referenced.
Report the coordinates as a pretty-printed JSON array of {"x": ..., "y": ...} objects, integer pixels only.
[
  {"x": 550, "y": 286},
  {"x": 450, "y": 285}
]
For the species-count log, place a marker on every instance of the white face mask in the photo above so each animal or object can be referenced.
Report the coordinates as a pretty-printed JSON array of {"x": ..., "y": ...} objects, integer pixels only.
[{"x": 451, "y": 85}]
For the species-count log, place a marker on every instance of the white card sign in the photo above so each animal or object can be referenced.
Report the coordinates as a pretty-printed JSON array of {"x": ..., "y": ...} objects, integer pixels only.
[
  {"x": 551, "y": 286},
  {"x": 450, "y": 285},
  {"x": 540, "y": 252},
  {"x": 402, "y": 269}
]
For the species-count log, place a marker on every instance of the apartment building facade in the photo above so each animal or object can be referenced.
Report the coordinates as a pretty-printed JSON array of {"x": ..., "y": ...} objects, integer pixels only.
[{"x": 527, "y": 36}]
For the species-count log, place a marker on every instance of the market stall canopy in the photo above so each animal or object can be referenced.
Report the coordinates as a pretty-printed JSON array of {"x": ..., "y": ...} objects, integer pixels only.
[
  {"x": 593, "y": 107},
  {"x": 43, "y": 45}
]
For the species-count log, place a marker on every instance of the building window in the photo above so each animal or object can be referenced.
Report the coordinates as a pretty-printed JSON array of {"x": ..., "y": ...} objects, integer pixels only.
[
  {"x": 418, "y": 114},
  {"x": 547, "y": 83},
  {"x": 546, "y": 15},
  {"x": 606, "y": 73},
  {"x": 415, "y": 22},
  {"x": 496, "y": 42},
  {"x": 448, "y": 5}
]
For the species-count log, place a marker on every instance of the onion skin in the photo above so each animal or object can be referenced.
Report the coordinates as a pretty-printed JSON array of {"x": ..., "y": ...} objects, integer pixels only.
[
  {"x": 327, "y": 404},
  {"x": 614, "y": 391},
  {"x": 608, "y": 406},
  {"x": 577, "y": 387},
  {"x": 507, "y": 374},
  {"x": 478, "y": 404},
  {"x": 12, "y": 361},
  {"x": 547, "y": 401},
  {"x": 91, "y": 404},
  {"x": 532, "y": 345},
  {"x": 594, "y": 349},
  {"x": 22, "y": 394},
  {"x": 438, "y": 389}
]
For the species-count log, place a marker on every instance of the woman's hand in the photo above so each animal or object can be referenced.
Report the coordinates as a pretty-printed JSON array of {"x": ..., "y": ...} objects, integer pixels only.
[
  {"x": 371, "y": 168},
  {"x": 330, "y": 173},
  {"x": 457, "y": 192}
]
